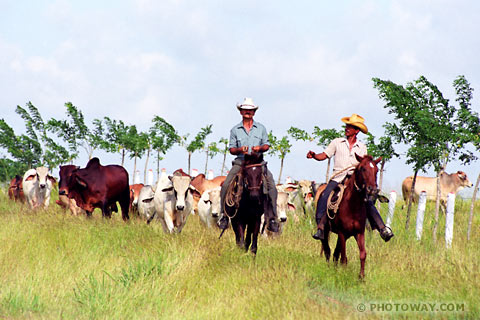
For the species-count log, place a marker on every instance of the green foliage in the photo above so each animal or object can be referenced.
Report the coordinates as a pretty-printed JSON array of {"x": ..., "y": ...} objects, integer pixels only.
[
  {"x": 10, "y": 168},
  {"x": 136, "y": 142},
  {"x": 23, "y": 148},
  {"x": 163, "y": 135},
  {"x": 322, "y": 137},
  {"x": 198, "y": 142},
  {"x": 279, "y": 147},
  {"x": 383, "y": 149}
]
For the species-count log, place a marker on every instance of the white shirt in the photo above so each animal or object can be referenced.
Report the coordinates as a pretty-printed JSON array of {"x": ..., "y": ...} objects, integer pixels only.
[{"x": 344, "y": 157}]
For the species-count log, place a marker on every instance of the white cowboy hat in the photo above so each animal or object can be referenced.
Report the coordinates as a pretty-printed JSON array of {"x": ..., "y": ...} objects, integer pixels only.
[
  {"x": 247, "y": 104},
  {"x": 357, "y": 121}
]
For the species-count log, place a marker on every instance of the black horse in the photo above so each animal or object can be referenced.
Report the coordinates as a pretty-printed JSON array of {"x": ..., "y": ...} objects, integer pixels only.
[{"x": 248, "y": 202}]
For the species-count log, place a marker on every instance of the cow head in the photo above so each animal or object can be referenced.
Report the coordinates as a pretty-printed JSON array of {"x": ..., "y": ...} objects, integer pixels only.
[
  {"x": 65, "y": 176},
  {"x": 213, "y": 199},
  {"x": 464, "y": 180},
  {"x": 182, "y": 190},
  {"x": 282, "y": 206}
]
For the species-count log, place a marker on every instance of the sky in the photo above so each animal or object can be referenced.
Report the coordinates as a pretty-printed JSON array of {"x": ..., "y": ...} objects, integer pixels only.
[{"x": 305, "y": 63}]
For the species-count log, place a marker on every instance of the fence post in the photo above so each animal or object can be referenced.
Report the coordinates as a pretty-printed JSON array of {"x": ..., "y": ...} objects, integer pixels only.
[
  {"x": 422, "y": 202},
  {"x": 449, "y": 220},
  {"x": 391, "y": 207}
]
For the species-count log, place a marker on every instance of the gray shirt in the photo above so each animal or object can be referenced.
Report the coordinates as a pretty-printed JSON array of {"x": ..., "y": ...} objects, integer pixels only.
[
  {"x": 240, "y": 137},
  {"x": 344, "y": 157}
]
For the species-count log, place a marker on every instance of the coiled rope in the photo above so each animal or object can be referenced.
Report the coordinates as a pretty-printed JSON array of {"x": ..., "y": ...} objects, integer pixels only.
[{"x": 234, "y": 194}]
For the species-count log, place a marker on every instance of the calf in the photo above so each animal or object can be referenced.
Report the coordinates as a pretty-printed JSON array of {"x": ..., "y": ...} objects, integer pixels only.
[
  {"x": 15, "y": 190},
  {"x": 134, "y": 192},
  {"x": 209, "y": 207},
  {"x": 145, "y": 204},
  {"x": 37, "y": 186},
  {"x": 173, "y": 203},
  {"x": 282, "y": 207}
]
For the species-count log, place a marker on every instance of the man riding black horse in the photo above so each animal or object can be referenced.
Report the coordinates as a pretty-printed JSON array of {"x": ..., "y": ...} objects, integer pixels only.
[
  {"x": 344, "y": 150},
  {"x": 246, "y": 137}
]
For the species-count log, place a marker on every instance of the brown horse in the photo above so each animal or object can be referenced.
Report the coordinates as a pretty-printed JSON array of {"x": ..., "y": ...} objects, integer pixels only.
[
  {"x": 247, "y": 211},
  {"x": 351, "y": 215}
]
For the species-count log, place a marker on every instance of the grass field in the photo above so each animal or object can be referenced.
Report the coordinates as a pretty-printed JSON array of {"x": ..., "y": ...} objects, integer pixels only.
[{"x": 55, "y": 266}]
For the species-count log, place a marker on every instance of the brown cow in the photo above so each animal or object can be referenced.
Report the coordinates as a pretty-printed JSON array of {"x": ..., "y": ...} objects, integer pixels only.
[
  {"x": 63, "y": 200},
  {"x": 449, "y": 183},
  {"x": 201, "y": 185},
  {"x": 134, "y": 192},
  {"x": 15, "y": 190},
  {"x": 97, "y": 186}
]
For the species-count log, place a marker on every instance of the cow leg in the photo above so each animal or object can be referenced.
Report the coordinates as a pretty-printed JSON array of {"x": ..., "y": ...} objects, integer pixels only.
[
  {"x": 106, "y": 210},
  {"x": 363, "y": 253},
  {"x": 124, "y": 205},
  {"x": 169, "y": 222}
]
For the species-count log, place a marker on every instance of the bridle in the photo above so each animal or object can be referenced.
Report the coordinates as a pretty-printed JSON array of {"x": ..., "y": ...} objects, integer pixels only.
[{"x": 245, "y": 181}]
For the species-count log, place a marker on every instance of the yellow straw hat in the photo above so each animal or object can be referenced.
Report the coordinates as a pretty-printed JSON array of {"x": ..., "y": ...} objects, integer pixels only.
[{"x": 357, "y": 121}]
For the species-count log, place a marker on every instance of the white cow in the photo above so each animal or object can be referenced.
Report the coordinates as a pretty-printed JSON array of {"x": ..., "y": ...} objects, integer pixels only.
[
  {"x": 37, "y": 185},
  {"x": 282, "y": 207},
  {"x": 145, "y": 204},
  {"x": 173, "y": 203},
  {"x": 209, "y": 207}
]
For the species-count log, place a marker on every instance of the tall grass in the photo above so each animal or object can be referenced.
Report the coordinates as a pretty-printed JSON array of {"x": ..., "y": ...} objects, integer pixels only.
[{"x": 53, "y": 265}]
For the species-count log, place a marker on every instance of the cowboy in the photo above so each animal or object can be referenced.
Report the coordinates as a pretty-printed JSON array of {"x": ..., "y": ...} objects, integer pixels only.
[
  {"x": 344, "y": 150},
  {"x": 246, "y": 137}
]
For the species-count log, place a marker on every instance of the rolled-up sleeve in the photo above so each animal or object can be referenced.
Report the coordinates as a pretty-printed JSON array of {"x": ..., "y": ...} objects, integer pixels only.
[
  {"x": 331, "y": 148},
  {"x": 264, "y": 139},
  {"x": 233, "y": 139}
]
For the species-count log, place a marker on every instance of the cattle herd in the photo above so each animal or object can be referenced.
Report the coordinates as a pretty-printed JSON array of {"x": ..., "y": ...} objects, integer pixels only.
[{"x": 173, "y": 198}]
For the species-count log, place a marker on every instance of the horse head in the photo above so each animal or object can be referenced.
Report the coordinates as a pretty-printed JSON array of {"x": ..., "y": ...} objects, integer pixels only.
[
  {"x": 366, "y": 176},
  {"x": 253, "y": 175}
]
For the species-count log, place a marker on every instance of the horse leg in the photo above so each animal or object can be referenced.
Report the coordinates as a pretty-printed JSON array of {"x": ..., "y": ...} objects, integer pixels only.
[
  {"x": 256, "y": 231},
  {"x": 363, "y": 253},
  {"x": 325, "y": 245},
  {"x": 343, "y": 253},
  {"x": 248, "y": 237},
  {"x": 240, "y": 235},
  {"x": 336, "y": 253}
]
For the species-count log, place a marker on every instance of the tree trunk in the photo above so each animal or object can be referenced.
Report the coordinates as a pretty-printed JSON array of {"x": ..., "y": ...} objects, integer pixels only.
[
  {"x": 134, "y": 168},
  {"x": 472, "y": 205},
  {"x": 123, "y": 157},
  {"x": 189, "y": 158},
  {"x": 158, "y": 165},
  {"x": 410, "y": 200},
  {"x": 206, "y": 164},
  {"x": 281, "y": 169},
  {"x": 437, "y": 207},
  {"x": 146, "y": 166},
  {"x": 223, "y": 164},
  {"x": 380, "y": 182},
  {"x": 328, "y": 171}
]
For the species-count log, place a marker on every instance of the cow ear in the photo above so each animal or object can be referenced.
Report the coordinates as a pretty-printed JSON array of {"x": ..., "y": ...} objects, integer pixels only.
[
  {"x": 31, "y": 177},
  {"x": 194, "y": 191},
  {"x": 167, "y": 189},
  {"x": 207, "y": 201},
  {"x": 82, "y": 183},
  {"x": 52, "y": 179},
  {"x": 291, "y": 206},
  {"x": 147, "y": 200},
  {"x": 170, "y": 178},
  {"x": 378, "y": 160}
]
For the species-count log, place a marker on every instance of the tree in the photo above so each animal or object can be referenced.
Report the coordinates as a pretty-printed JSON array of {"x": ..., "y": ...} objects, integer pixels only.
[
  {"x": 9, "y": 168},
  {"x": 211, "y": 150},
  {"x": 23, "y": 148},
  {"x": 163, "y": 136},
  {"x": 76, "y": 133},
  {"x": 468, "y": 127},
  {"x": 383, "y": 149},
  {"x": 426, "y": 124},
  {"x": 322, "y": 137},
  {"x": 279, "y": 147},
  {"x": 136, "y": 144},
  {"x": 52, "y": 153},
  {"x": 197, "y": 143},
  {"x": 116, "y": 137},
  {"x": 224, "y": 151}
]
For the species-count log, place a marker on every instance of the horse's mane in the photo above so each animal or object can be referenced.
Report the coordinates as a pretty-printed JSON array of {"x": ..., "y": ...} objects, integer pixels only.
[{"x": 253, "y": 158}]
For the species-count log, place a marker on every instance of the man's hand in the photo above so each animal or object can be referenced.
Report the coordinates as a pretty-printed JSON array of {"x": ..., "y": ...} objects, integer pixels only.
[
  {"x": 310, "y": 154},
  {"x": 256, "y": 149},
  {"x": 244, "y": 149}
]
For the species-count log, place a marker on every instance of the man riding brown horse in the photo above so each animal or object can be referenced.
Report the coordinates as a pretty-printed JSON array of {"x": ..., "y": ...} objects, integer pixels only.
[
  {"x": 344, "y": 150},
  {"x": 249, "y": 137}
]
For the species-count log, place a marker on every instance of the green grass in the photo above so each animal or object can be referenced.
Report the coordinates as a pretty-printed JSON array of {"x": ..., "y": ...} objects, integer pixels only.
[{"x": 53, "y": 265}]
